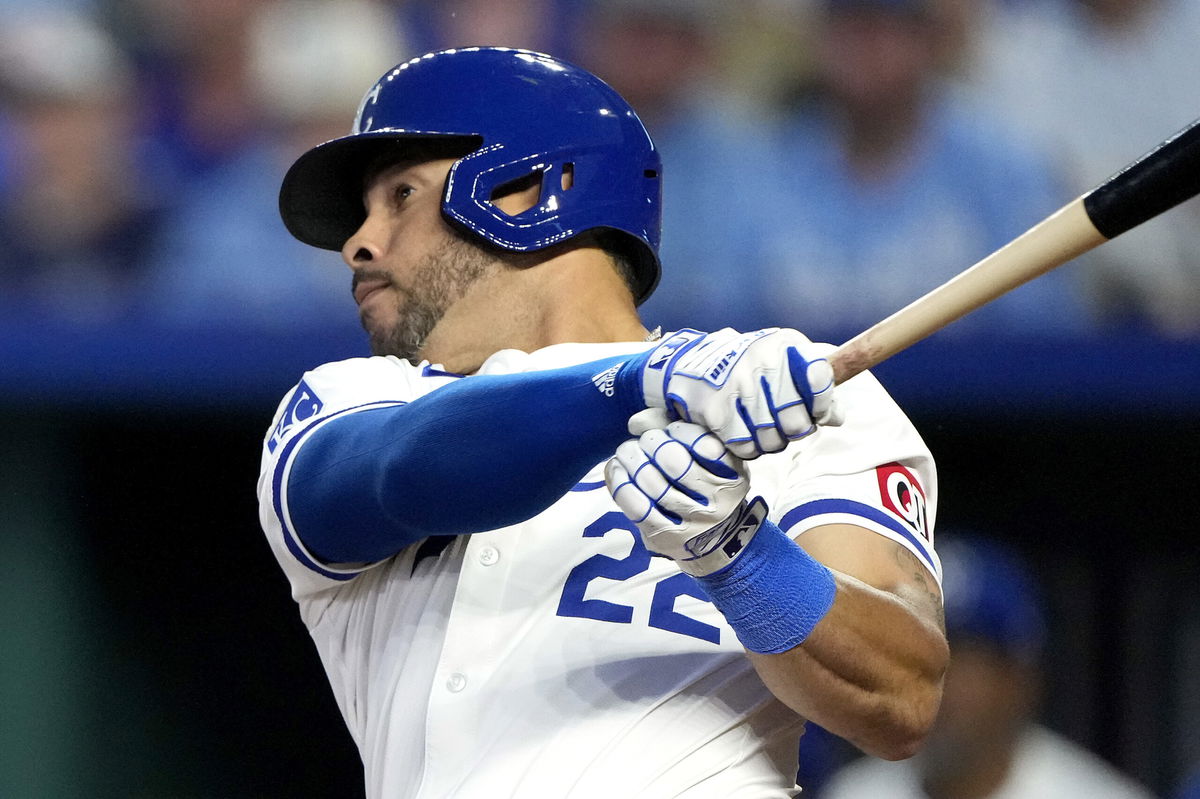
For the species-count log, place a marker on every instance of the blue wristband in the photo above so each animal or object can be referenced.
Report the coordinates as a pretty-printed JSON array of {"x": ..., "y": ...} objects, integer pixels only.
[{"x": 773, "y": 594}]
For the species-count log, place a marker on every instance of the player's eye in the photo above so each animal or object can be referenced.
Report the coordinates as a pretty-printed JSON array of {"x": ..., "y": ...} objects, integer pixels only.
[{"x": 402, "y": 193}]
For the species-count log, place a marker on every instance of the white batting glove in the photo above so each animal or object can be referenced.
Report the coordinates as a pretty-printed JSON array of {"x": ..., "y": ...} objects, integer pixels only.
[
  {"x": 756, "y": 391},
  {"x": 687, "y": 496}
]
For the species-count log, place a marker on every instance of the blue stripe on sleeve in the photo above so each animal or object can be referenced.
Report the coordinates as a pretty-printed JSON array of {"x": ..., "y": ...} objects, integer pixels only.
[
  {"x": 823, "y": 506},
  {"x": 587, "y": 486},
  {"x": 289, "y": 537}
]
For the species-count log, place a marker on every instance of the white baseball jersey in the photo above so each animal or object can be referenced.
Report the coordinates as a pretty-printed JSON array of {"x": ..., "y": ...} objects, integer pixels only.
[{"x": 556, "y": 659}]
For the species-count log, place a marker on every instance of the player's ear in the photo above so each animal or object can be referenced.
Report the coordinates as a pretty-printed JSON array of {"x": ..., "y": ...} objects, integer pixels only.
[{"x": 519, "y": 195}]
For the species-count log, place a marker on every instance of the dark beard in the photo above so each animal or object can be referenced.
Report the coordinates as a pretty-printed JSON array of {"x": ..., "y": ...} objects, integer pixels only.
[{"x": 436, "y": 284}]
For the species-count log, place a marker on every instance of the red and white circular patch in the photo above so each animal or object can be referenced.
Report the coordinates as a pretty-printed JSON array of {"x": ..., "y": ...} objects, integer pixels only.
[{"x": 902, "y": 494}]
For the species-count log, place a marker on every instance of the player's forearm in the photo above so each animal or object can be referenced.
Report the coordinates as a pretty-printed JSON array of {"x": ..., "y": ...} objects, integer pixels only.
[
  {"x": 864, "y": 662},
  {"x": 870, "y": 671},
  {"x": 481, "y": 453}
]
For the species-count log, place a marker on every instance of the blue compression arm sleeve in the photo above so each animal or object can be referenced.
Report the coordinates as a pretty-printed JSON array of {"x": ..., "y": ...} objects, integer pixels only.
[{"x": 483, "y": 452}]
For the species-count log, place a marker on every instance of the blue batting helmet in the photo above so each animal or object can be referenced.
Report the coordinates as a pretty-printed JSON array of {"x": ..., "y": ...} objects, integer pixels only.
[{"x": 521, "y": 113}]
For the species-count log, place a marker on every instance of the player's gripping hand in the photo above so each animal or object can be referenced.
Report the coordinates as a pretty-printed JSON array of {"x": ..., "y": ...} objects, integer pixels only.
[
  {"x": 756, "y": 391},
  {"x": 687, "y": 496}
]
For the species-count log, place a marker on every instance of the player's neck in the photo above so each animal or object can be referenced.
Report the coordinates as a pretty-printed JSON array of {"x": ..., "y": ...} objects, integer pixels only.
[
  {"x": 584, "y": 300},
  {"x": 575, "y": 296}
]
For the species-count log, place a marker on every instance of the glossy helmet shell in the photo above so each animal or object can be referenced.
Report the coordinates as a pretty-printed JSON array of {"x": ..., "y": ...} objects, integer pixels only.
[{"x": 524, "y": 113}]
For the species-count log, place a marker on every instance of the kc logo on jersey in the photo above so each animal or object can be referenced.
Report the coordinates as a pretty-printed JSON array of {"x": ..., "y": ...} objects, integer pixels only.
[
  {"x": 903, "y": 496},
  {"x": 305, "y": 404}
]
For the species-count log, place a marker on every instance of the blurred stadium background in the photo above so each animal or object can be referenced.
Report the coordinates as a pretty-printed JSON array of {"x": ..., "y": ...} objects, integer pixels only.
[{"x": 819, "y": 173}]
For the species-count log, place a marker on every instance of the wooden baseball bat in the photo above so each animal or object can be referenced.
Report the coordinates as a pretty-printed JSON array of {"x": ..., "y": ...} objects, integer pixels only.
[{"x": 1154, "y": 183}]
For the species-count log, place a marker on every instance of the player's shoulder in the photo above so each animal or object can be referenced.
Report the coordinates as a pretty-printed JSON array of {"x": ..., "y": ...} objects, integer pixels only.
[
  {"x": 873, "y": 470},
  {"x": 559, "y": 355},
  {"x": 375, "y": 377},
  {"x": 342, "y": 386},
  {"x": 867, "y": 405},
  {"x": 373, "y": 368}
]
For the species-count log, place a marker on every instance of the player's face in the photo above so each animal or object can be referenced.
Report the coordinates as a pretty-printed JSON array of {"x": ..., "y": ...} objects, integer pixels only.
[{"x": 409, "y": 266}]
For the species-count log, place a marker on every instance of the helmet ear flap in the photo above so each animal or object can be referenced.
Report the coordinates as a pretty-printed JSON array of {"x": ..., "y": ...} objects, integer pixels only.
[
  {"x": 532, "y": 191},
  {"x": 580, "y": 189},
  {"x": 480, "y": 179}
]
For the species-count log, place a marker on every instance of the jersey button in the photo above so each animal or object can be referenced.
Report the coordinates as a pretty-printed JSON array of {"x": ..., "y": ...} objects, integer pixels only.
[
  {"x": 488, "y": 556},
  {"x": 456, "y": 682}
]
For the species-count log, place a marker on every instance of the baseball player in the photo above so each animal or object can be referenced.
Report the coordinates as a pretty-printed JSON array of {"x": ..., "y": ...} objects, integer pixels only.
[{"x": 541, "y": 552}]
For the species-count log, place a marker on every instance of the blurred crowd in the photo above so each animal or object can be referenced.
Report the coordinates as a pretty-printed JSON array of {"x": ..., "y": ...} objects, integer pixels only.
[
  {"x": 825, "y": 161},
  {"x": 988, "y": 741}
]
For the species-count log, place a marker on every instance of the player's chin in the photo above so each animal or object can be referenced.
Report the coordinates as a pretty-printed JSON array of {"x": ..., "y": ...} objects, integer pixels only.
[
  {"x": 384, "y": 345},
  {"x": 381, "y": 337},
  {"x": 380, "y": 320},
  {"x": 370, "y": 323},
  {"x": 392, "y": 339}
]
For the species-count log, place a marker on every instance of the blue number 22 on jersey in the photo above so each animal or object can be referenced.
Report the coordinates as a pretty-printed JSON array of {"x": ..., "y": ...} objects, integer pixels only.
[{"x": 663, "y": 615}]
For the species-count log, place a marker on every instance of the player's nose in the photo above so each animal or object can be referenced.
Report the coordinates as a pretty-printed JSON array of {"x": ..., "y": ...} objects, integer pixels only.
[{"x": 365, "y": 245}]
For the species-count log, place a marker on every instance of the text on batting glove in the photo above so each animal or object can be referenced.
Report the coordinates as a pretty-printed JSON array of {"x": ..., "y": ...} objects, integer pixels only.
[
  {"x": 755, "y": 391},
  {"x": 687, "y": 496}
]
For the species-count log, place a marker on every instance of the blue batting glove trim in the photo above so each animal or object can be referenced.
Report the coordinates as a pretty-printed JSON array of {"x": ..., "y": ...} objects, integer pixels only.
[
  {"x": 676, "y": 482},
  {"x": 798, "y": 367},
  {"x": 659, "y": 358},
  {"x": 716, "y": 467},
  {"x": 773, "y": 594},
  {"x": 740, "y": 407},
  {"x": 677, "y": 408},
  {"x": 764, "y": 385}
]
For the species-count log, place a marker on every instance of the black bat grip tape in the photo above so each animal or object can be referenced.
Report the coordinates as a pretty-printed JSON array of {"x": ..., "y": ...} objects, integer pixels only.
[{"x": 1156, "y": 182}]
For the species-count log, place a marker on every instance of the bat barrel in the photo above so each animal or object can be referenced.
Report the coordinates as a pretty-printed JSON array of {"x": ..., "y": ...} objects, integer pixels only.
[{"x": 1156, "y": 182}]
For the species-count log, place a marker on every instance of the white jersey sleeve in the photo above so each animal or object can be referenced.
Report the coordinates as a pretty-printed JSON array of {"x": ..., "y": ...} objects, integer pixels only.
[
  {"x": 874, "y": 471},
  {"x": 325, "y": 393}
]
